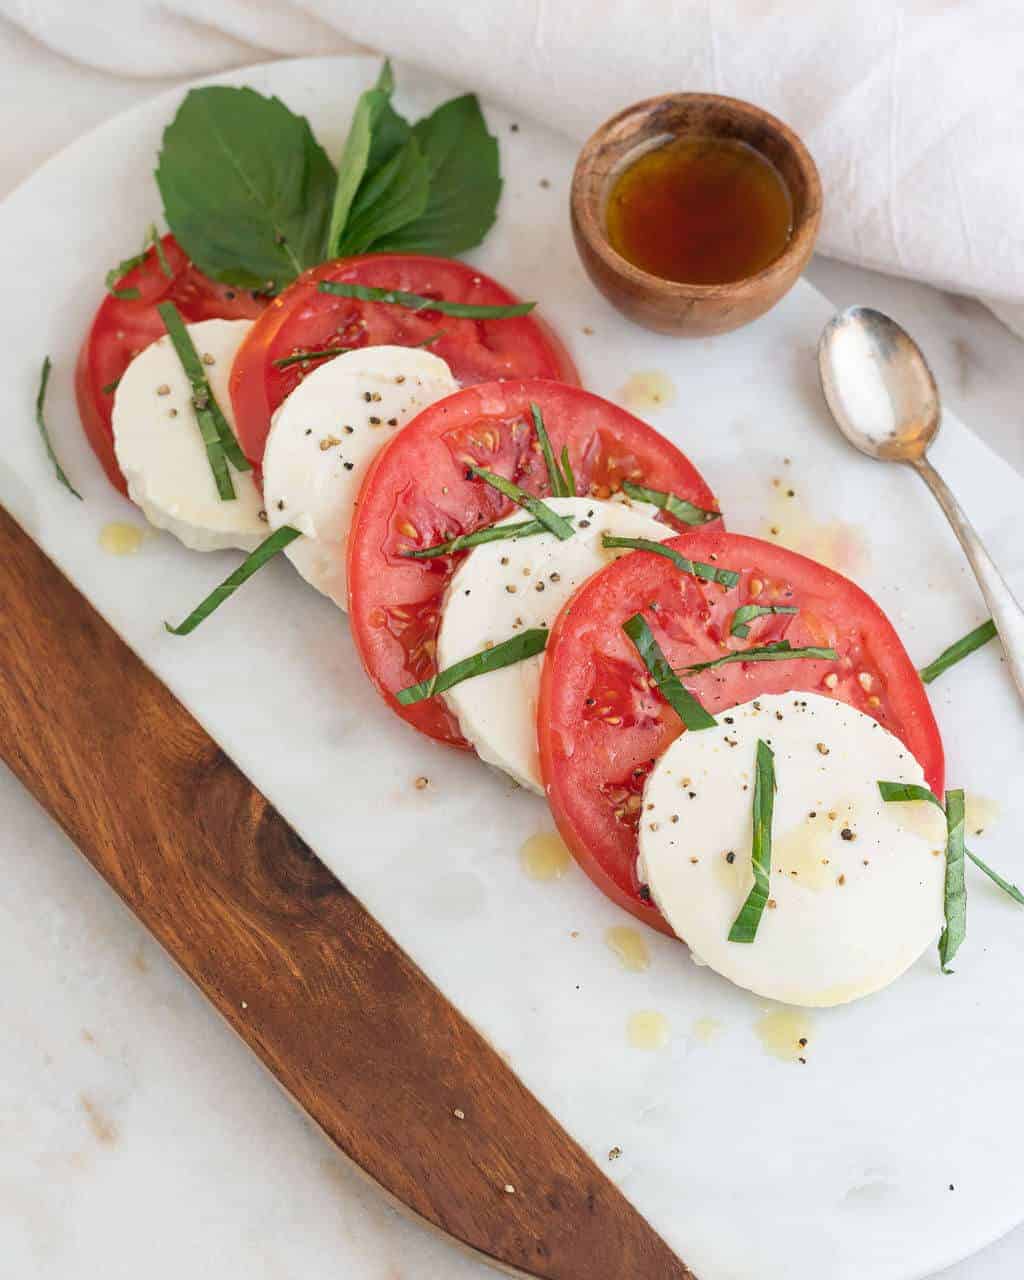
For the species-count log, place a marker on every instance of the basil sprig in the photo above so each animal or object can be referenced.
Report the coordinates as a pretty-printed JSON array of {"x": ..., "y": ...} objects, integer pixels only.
[
  {"x": 697, "y": 568},
  {"x": 525, "y": 645},
  {"x": 959, "y": 650},
  {"x": 675, "y": 506},
  {"x": 682, "y": 702},
  {"x": 744, "y": 928},
  {"x": 541, "y": 512},
  {"x": 219, "y": 439},
  {"x": 464, "y": 541},
  {"x": 431, "y": 187},
  {"x": 267, "y": 549},
  {"x": 903, "y": 791},
  {"x": 746, "y": 613},
  {"x": 417, "y": 302},
  {"x": 779, "y": 651},
  {"x": 44, "y": 379}
]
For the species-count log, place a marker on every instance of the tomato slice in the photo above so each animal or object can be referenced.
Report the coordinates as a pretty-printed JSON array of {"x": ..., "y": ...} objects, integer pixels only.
[
  {"x": 601, "y": 726},
  {"x": 123, "y": 326},
  {"x": 302, "y": 319},
  {"x": 417, "y": 494}
]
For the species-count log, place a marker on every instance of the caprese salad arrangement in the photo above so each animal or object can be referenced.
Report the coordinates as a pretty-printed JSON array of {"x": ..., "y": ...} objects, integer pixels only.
[{"x": 732, "y": 739}]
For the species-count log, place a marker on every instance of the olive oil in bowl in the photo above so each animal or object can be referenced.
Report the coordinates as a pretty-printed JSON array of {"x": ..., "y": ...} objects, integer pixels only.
[{"x": 700, "y": 210}]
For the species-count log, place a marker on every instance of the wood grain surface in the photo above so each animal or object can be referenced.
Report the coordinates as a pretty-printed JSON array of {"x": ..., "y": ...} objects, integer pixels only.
[{"x": 327, "y": 1000}]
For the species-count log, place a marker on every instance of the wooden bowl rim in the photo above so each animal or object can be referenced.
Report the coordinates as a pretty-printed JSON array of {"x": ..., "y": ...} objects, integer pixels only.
[{"x": 587, "y": 207}]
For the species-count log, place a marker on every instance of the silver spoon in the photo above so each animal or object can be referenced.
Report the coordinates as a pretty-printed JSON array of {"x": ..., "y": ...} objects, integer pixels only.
[{"x": 885, "y": 401}]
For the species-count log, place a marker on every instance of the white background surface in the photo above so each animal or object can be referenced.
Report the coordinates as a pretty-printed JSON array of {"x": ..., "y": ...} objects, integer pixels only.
[{"x": 95, "y": 1018}]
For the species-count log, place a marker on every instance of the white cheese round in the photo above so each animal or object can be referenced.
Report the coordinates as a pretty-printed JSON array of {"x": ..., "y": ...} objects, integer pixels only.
[
  {"x": 856, "y": 890},
  {"x": 323, "y": 438},
  {"x": 161, "y": 452},
  {"x": 503, "y": 588}
]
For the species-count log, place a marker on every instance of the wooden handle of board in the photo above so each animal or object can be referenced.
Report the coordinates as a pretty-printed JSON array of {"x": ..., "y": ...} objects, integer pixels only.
[{"x": 326, "y": 999}]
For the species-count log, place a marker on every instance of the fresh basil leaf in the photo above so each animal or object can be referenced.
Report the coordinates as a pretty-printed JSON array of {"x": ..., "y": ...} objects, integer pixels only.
[
  {"x": 955, "y": 897},
  {"x": 247, "y": 189},
  {"x": 417, "y": 302},
  {"x": 744, "y": 615},
  {"x": 570, "y": 479},
  {"x": 267, "y": 549},
  {"x": 465, "y": 183},
  {"x": 706, "y": 572},
  {"x": 387, "y": 199},
  {"x": 683, "y": 511},
  {"x": 959, "y": 650},
  {"x": 681, "y": 700},
  {"x": 525, "y": 645},
  {"x": 744, "y": 927},
  {"x": 44, "y": 379}
]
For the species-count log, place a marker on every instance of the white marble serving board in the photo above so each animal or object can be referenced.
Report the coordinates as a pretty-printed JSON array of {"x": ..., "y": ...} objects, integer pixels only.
[{"x": 749, "y": 1166}]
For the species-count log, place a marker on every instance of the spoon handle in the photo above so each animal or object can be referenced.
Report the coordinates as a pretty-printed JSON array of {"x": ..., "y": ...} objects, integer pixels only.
[{"x": 1007, "y": 614}]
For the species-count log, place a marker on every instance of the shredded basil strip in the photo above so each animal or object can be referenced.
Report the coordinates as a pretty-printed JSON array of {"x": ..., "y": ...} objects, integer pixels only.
[
  {"x": 300, "y": 357},
  {"x": 44, "y": 379},
  {"x": 129, "y": 264},
  {"x": 955, "y": 902},
  {"x": 706, "y": 572},
  {"x": 570, "y": 479},
  {"x": 111, "y": 387},
  {"x": 675, "y": 506},
  {"x": 491, "y": 533},
  {"x": 551, "y": 520},
  {"x": 559, "y": 489},
  {"x": 681, "y": 700},
  {"x": 221, "y": 445},
  {"x": 744, "y": 927},
  {"x": 959, "y": 650},
  {"x": 416, "y": 301},
  {"x": 153, "y": 236},
  {"x": 779, "y": 651},
  {"x": 525, "y": 645},
  {"x": 898, "y": 791},
  {"x": 429, "y": 342},
  {"x": 267, "y": 549},
  {"x": 745, "y": 614}
]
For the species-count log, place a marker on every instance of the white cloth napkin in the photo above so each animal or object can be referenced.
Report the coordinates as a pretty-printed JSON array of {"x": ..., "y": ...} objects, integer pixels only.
[{"x": 912, "y": 110}]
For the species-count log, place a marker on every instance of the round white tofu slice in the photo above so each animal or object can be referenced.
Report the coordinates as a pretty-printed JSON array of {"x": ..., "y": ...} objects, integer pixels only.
[
  {"x": 323, "y": 438},
  {"x": 856, "y": 889},
  {"x": 161, "y": 452},
  {"x": 502, "y": 588}
]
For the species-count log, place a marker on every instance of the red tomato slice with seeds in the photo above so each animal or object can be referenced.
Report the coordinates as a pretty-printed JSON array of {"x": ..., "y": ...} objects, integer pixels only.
[
  {"x": 122, "y": 327},
  {"x": 601, "y": 725},
  {"x": 417, "y": 493},
  {"x": 302, "y": 319}
]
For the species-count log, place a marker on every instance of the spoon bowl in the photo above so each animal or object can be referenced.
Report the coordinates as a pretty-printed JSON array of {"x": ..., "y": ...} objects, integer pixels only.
[
  {"x": 885, "y": 402},
  {"x": 878, "y": 385}
]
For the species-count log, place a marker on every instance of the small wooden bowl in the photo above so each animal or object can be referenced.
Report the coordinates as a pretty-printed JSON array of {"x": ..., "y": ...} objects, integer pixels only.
[{"x": 690, "y": 310}]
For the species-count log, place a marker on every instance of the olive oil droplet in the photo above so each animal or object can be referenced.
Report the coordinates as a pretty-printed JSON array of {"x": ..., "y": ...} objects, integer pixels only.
[
  {"x": 781, "y": 1032},
  {"x": 629, "y": 945},
  {"x": 119, "y": 539},
  {"x": 647, "y": 1029},
  {"x": 545, "y": 857}
]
